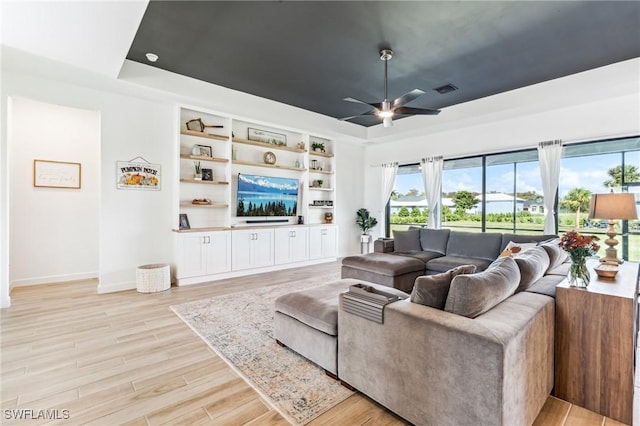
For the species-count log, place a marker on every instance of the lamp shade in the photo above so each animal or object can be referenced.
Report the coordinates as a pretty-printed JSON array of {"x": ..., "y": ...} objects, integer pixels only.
[{"x": 613, "y": 206}]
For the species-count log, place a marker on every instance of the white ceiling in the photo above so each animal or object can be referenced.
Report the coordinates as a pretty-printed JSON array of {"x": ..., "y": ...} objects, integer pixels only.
[{"x": 96, "y": 36}]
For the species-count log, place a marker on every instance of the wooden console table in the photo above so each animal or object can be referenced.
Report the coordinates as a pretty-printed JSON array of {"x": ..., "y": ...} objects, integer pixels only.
[{"x": 595, "y": 341}]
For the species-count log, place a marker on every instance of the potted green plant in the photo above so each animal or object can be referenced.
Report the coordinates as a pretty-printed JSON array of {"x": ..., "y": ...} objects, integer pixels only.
[
  {"x": 317, "y": 146},
  {"x": 320, "y": 182},
  {"x": 365, "y": 222},
  {"x": 198, "y": 167}
]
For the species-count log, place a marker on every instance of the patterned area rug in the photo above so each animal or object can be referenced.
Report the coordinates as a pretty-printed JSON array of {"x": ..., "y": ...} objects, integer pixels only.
[{"x": 239, "y": 328}]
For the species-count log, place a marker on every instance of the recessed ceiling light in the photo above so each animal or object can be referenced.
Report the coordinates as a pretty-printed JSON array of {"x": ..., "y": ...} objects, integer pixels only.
[{"x": 151, "y": 57}]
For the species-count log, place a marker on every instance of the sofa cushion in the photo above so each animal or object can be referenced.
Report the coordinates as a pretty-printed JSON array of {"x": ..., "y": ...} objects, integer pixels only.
[
  {"x": 524, "y": 238},
  {"x": 533, "y": 263},
  {"x": 384, "y": 264},
  {"x": 432, "y": 290},
  {"x": 516, "y": 248},
  {"x": 406, "y": 241},
  {"x": 546, "y": 285},
  {"x": 434, "y": 240},
  {"x": 474, "y": 294},
  {"x": 477, "y": 245},
  {"x": 423, "y": 256},
  {"x": 444, "y": 263},
  {"x": 562, "y": 269},
  {"x": 557, "y": 256}
]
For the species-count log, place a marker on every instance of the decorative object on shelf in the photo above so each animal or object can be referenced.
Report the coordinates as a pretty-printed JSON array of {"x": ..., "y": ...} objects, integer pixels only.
[
  {"x": 320, "y": 182},
  {"x": 269, "y": 157},
  {"x": 300, "y": 220},
  {"x": 184, "y": 221},
  {"x": 317, "y": 146},
  {"x": 322, "y": 203},
  {"x": 301, "y": 145},
  {"x": 56, "y": 174},
  {"x": 137, "y": 173},
  {"x": 607, "y": 270},
  {"x": 198, "y": 168},
  {"x": 314, "y": 164},
  {"x": 201, "y": 202},
  {"x": 202, "y": 151},
  {"x": 328, "y": 217},
  {"x": 365, "y": 222},
  {"x": 579, "y": 248},
  {"x": 198, "y": 126},
  {"x": 612, "y": 207},
  {"x": 267, "y": 137},
  {"x": 207, "y": 174}
]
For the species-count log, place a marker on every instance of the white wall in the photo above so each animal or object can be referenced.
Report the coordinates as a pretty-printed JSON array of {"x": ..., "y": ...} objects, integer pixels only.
[
  {"x": 607, "y": 118},
  {"x": 53, "y": 231},
  {"x": 135, "y": 226},
  {"x": 349, "y": 195}
]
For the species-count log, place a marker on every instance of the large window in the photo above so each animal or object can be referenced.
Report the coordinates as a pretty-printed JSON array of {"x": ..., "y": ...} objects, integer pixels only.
[{"x": 503, "y": 192}]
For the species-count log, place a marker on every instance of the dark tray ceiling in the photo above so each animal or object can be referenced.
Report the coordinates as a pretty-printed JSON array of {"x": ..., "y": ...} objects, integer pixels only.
[{"x": 314, "y": 54}]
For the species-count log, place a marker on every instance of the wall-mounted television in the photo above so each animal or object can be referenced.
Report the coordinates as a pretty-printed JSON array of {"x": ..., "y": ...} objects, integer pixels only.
[{"x": 266, "y": 196}]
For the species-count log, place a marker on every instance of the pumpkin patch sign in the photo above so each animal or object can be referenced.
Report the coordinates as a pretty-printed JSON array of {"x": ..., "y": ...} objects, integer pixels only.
[{"x": 138, "y": 175}]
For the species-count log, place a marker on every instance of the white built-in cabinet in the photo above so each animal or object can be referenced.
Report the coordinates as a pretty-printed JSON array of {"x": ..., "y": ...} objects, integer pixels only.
[
  {"x": 219, "y": 244},
  {"x": 251, "y": 248},
  {"x": 322, "y": 242},
  {"x": 291, "y": 244},
  {"x": 203, "y": 253}
]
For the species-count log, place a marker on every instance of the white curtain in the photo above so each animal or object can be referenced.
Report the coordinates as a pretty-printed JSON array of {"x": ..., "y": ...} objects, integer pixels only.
[
  {"x": 389, "y": 172},
  {"x": 432, "y": 178},
  {"x": 549, "y": 154}
]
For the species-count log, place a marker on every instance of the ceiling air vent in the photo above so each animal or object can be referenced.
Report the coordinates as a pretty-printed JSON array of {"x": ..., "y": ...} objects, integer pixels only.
[{"x": 445, "y": 89}]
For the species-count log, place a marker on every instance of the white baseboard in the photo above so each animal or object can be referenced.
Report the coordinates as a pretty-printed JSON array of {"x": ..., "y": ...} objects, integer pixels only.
[
  {"x": 113, "y": 287},
  {"x": 241, "y": 273},
  {"x": 53, "y": 279}
]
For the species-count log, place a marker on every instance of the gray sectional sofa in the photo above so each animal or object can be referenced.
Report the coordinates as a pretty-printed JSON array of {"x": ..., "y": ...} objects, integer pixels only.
[
  {"x": 420, "y": 251},
  {"x": 466, "y": 348}
]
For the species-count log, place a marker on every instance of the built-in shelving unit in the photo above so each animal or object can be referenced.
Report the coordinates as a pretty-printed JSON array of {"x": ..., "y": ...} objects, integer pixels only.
[{"x": 217, "y": 243}]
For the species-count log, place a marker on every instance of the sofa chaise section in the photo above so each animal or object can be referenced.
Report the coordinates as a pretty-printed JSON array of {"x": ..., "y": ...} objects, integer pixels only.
[
  {"x": 435, "y": 367},
  {"x": 393, "y": 271}
]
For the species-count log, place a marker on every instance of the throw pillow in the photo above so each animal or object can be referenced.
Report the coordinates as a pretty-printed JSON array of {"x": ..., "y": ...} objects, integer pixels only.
[
  {"x": 557, "y": 256},
  {"x": 515, "y": 248},
  {"x": 533, "y": 263},
  {"x": 473, "y": 295},
  {"x": 408, "y": 240},
  {"x": 432, "y": 290}
]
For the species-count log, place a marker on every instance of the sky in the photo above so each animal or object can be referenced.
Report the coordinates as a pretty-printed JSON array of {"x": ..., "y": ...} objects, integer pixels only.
[{"x": 588, "y": 172}]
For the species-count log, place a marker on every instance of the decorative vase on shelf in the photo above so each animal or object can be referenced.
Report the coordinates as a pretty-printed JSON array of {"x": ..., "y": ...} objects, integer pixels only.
[
  {"x": 197, "y": 176},
  {"x": 579, "y": 275}
]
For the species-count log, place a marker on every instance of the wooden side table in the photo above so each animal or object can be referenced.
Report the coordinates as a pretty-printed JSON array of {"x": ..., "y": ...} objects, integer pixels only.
[{"x": 595, "y": 341}]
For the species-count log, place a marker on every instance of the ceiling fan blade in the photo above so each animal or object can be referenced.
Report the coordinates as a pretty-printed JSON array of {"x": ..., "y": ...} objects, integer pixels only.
[
  {"x": 377, "y": 105},
  {"x": 370, "y": 112},
  {"x": 415, "y": 111},
  {"x": 406, "y": 98}
]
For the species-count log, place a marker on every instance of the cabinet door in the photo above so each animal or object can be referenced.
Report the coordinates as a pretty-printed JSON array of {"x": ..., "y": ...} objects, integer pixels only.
[
  {"x": 300, "y": 245},
  {"x": 218, "y": 252},
  {"x": 329, "y": 242},
  {"x": 315, "y": 242},
  {"x": 262, "y": 248},
  {"x": 241, "y": 249},
  {"x": 282, "y": 245},
  {"x": 192, "y": 261}
]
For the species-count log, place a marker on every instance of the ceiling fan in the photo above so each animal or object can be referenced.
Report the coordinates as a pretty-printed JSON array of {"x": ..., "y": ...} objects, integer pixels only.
[{"x": 387, "y": 110}]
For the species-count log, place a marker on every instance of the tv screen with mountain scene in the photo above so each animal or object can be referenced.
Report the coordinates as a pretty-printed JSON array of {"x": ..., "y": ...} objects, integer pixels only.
[{"x": 266, "y": 196}]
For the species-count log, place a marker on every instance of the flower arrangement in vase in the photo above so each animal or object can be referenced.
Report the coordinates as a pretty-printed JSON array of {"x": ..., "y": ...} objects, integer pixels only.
[{"x": 579, "y": 248}]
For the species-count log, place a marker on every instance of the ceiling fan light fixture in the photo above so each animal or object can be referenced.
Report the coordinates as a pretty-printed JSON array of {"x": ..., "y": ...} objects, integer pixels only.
[{"x": 387, "y": 122}]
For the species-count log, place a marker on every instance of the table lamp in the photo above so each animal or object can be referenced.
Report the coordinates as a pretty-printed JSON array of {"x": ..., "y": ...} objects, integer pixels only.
[{"x": 612, "y": 207}]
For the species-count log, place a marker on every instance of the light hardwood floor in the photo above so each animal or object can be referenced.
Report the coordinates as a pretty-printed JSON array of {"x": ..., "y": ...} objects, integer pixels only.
[{"x": 126, "y": 358}]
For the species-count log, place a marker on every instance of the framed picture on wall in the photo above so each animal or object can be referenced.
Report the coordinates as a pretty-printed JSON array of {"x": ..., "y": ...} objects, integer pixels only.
[
  {"x": 184, "y": 221},
  {"x": 56, "y": 174}
]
